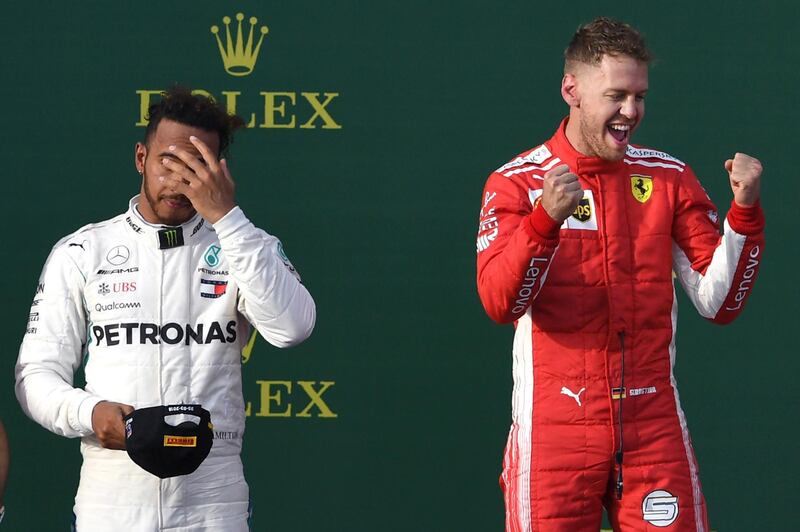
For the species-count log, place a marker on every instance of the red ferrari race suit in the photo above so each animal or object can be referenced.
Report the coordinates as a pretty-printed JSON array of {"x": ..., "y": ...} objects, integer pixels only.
[{"x": 595, "y": 311}]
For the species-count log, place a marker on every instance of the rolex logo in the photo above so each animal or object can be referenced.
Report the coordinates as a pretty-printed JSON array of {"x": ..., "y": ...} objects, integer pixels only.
[{"x": 239, "y": 58}]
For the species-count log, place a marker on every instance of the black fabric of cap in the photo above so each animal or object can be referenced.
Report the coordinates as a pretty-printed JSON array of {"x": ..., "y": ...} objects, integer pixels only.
[{"x": 166, "y": 450}]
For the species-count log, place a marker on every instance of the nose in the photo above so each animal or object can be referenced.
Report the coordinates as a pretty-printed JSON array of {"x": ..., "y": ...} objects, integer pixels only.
[{"x": 629, "y": 108}]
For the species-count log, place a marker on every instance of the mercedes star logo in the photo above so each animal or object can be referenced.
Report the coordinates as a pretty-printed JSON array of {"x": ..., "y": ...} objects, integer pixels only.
[{"x": 118, "y": 255}]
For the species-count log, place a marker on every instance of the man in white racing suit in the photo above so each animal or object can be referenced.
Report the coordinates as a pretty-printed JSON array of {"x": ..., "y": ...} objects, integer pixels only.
[{"x": 161, "y": 299}]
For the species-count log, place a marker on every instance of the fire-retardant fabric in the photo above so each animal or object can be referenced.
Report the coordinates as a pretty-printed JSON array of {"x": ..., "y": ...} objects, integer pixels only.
[
  {"x": 580, "y": 296},
  {"x": 162, "y": 315}
]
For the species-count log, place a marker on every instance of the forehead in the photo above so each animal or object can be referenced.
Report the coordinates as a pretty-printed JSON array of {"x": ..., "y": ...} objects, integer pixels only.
[
  {"x": 168, "y": 133},
  {"x": 617, "y": 72}
]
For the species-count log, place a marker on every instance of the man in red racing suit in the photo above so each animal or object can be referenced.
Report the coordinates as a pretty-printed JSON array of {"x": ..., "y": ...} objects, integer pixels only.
[{"x": 578, "y": 241}]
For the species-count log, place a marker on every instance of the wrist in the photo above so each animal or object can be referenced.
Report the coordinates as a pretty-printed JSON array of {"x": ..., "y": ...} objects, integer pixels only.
[
  {"x": 543, "y": 224},
  {"x": 745, "y": 204},
  {"x": 746, "y": 220},
  {"x": 220, "y": 213}
]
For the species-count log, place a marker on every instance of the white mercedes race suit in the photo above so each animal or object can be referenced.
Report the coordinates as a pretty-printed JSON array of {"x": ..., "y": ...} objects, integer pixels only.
[{"x": 162, "y": 315}]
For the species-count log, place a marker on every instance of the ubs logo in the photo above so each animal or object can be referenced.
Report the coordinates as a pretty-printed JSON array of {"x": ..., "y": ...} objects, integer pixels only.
[
  {"x": 118, "y": 255},
  {"x": 117, "y": 288}
]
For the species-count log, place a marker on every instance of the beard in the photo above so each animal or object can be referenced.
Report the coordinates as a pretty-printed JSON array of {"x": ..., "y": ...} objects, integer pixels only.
[
  {"x": 593, "y": 134},
  {"x": 164, "y": 214}
]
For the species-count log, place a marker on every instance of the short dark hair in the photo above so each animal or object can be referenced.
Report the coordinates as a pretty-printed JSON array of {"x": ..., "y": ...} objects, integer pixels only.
[
  {"x": 197, "y": 110},
  {"x": 605, "y": 36}
]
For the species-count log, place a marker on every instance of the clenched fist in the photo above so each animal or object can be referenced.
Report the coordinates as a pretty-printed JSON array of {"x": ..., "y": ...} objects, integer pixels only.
[
  {"x": 108, "y": 425},
  {"x": 745, "y": 175},
  {"x": 561, "y": 193}
]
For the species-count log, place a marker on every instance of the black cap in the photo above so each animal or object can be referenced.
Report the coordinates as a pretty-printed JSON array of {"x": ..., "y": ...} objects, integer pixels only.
[{"x": 166, "y": 450}]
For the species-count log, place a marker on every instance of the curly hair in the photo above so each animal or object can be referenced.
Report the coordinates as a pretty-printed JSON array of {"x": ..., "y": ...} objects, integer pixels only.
[
  {"x": 605, "y": 36},
  {"x": 181, "y": 105}
]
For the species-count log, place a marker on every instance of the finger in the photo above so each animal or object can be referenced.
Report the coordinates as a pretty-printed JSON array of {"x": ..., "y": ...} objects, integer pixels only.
[
  {"x": 557, "y": 171},
  {"x": 205, "y": 151},
  {"x": 224, "y": 164},
  {"x": 191, "y": 161},
  {"x": 126, "y": 409},
  {"x": 178, "y": 168},
  {"x": 178, "y": 184},
  {"x": 729, "y": 165}
]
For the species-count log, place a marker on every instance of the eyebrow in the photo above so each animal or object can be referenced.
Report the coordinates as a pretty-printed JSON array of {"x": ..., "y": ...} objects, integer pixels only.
[{"x": 622, "y": 91}]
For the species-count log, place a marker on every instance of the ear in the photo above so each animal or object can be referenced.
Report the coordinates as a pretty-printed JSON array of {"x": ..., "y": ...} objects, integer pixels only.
[
  {"x": 569, "y": 90},
  {"x": 139, "y": 156}
]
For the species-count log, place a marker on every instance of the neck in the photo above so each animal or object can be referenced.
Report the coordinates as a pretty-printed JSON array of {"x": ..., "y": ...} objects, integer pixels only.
[{"x": 573, "y": 134}]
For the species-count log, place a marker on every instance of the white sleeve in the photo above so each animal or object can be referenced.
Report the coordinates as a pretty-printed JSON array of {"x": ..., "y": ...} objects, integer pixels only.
[
  {"x": 271, "y": 295},
  {"x": 52, "y": 350}
]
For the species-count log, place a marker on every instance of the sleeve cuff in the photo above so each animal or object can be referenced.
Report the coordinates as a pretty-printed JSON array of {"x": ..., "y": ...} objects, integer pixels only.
[
  {"x": 746, "y": 220},
  {"x": 231, "y": 222},
  {"x": 544, "y": 226},
  {"x": 85, "y": 414}
]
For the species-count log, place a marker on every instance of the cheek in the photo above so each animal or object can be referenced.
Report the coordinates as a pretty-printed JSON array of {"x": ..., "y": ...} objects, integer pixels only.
[{"x": 152, "y": 184}]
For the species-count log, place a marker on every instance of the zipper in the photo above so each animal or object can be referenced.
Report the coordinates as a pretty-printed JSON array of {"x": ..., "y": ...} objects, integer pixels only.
[
  {"x": 160, "y": 369},
  {"x": 622, "y": 395}
]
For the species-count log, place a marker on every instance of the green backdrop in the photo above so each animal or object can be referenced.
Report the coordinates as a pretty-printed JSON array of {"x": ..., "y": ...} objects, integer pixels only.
[{"x": 379, "y": 215}]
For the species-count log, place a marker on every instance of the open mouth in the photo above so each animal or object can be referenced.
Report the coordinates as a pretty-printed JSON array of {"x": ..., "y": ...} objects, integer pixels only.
[{"x": 620, "y": 132}]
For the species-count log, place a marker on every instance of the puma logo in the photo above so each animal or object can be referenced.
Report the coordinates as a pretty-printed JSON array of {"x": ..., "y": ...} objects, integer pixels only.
[{"x": 576, "y": 396}]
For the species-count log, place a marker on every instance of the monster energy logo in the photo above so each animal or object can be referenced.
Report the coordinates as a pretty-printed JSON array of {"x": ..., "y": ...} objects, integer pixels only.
[{"x": 170, "y": 237}]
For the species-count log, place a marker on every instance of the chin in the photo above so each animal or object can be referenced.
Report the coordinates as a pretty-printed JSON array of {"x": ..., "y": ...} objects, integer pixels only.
[
  {"x": 175, "y": 217},
  {"x": 614, "y": 156},
  {"x": 614, "y": 153}
]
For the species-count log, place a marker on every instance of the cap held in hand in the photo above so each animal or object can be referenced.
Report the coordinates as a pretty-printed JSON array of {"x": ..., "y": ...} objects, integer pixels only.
[{"x": 165, "y": 449}]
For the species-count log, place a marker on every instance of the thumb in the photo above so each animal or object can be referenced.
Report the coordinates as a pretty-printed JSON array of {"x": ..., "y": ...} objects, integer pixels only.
[
  {"x": 126, "y": 409},
  {"x": 729, "y": 165}
]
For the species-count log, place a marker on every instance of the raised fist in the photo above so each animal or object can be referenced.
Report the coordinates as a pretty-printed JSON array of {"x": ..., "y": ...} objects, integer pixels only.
[
  {"x": 561, "y": 193},
  {"x": 745, "y": 175}
]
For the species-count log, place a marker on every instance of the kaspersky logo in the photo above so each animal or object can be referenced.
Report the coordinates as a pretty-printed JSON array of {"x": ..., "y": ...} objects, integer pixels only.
[
  {"x": 263, "y": 108},
  {"x": 239, "y": 58}
]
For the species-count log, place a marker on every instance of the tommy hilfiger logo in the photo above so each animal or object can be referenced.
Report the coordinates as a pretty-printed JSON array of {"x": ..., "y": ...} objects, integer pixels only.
[{"x": 213, "y": 289}]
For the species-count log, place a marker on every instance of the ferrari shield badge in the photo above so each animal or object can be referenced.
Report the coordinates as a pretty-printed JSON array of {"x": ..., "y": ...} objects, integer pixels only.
[{"x": 642, "y": 187}]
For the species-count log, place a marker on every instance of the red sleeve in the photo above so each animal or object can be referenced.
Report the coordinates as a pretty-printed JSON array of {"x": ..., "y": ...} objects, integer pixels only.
[
  {"x": 515, "y": 247},
  {"x": 717, "y": 272}
]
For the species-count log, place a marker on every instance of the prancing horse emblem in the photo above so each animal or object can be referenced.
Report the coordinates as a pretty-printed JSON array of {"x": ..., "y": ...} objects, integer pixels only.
[
  {"x": 642, "y": 187},
  {"x": 576, "y": 396}
]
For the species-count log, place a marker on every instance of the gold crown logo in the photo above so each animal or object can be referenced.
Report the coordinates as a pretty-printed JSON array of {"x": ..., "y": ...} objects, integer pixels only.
[{"x": 239, "y": 58}]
